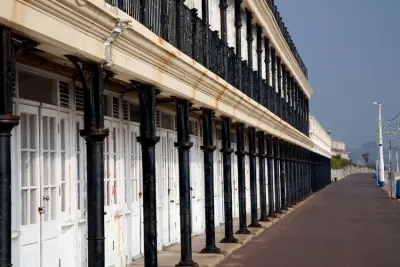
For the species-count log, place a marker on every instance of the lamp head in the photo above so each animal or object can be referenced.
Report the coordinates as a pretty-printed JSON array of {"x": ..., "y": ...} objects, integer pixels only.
[{"x": 376, "y": 103}]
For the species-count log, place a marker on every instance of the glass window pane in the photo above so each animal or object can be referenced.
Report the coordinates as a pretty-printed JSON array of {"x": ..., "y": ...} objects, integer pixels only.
[
  {"x": 24, "y": 131},
  {"x": 46, "y": 168},
  {"x": 45, "y": 132},
  {"x": 52, "y": 134},
  {"x": 53, "y": 168},
  {"x": 24, "y": 211},
  {"x": 37, "y": 88},
  {"x": 32, "y": 163},
  {"x": 24, "y": 168},
  {"x": 134, "y": 113},
  {"x": 62, "y": 134},
  {"x": 32, "y": 131},
  {"x": 53, "y": 203},
  {"x": 34, "y": 206}
]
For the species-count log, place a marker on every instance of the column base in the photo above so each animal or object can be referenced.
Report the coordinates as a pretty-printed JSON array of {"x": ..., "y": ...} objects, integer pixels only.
[
  {"x": 255, "y": 225},
  {"x": 264, "y": 219},
  {"x": 211, "y": 250},
  {"x": 186, "y": 263},
  {"x": 381, "y": 183},
  {"x": 243, "y": 232},
  {"x": 229, "y": 240},
  {"x": 273, "y": 215}
]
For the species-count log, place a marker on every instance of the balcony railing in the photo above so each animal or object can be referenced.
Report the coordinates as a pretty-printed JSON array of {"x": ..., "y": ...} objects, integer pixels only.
[
  {"x": 287, "y": 36},
  {"x": 182, "y": 27}
]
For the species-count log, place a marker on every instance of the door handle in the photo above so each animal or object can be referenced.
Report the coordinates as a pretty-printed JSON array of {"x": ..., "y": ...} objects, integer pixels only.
[
  {"x": 41, "y": 210},
  {"x": 47, "y": 198},
  {"x": 172, "y": 201},
  {"x": 191, "y": 188}
]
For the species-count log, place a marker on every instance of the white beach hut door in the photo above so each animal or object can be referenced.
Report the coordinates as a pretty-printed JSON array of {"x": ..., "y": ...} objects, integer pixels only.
[
  {"x": 110, "y": 187},
  {"x": 173, "y": 189},
  {"x": 235, "y": 186},
  {"x": 40, "y": 174},
  {"x": 136, "y": 192}
]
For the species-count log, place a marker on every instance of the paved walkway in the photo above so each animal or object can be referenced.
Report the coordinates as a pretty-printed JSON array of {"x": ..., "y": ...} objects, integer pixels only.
[{"x": 351, "y": 223}]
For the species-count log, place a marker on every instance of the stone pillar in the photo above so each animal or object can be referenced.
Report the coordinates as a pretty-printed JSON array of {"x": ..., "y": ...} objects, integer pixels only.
[
  {"x": 227, "y": 157},
  {"x": 241, "y": 153},
  {"x": 208, "y": 150},
  {"x": 183, "y": 144}
]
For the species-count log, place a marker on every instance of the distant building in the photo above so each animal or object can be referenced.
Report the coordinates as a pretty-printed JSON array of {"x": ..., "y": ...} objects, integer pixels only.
[
  {"x": 321, "y": 139},
  {"x": 339, "y": 148}
]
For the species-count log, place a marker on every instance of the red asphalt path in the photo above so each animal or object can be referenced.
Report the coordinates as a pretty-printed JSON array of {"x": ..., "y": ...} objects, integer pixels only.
[{"x": 351, "y": 223}]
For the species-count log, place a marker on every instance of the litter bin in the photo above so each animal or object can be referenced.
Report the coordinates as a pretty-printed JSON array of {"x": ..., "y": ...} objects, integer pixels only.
[
  {"x": 397, "y": 188},
  {"x": 335, "y": 178}
]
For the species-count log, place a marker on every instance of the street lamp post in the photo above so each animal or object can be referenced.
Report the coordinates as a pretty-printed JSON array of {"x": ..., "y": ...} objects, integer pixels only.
[{"x": 381, "y": 164}]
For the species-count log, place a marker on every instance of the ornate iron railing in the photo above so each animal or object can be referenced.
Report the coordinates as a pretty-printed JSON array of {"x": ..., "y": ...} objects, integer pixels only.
[
  {"x": 182, "y": 27},
  {"x": 287, "y": 36}
]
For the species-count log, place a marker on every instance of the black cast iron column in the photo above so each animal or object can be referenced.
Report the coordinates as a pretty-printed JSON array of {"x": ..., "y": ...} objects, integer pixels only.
[
  {"x": 206, "y": 20},
  {"x": 261, "y": 94},
  {"x": 267, "y": 71},
  {"x": 274, "y": 107},
  {"x": 241, "y": 153},
  {"x": 223, "y": 5},
  {"x": 253, "y": 177},
  {"x": 183, "y": 144},
  {"x": 277, "y": 175},
  {"x": 270, "y": 154},
  {"x": 288, "y": 176},
  {"x": 7, "y": 122},
  {"x": 249, "y": 30},
  {"x": 279, "y": 101},
  {"x": 283, "y": 174},
  {"x": 227, "y": 159},
  {"x": 263, "y": 189},
  {"x": 148, "y": 141},
  {"x": 94, "y": 133},
  {"x": 296, "y": 175},
  {"x": 238, "y": 26},
  {"x": 208, "y": 149}
]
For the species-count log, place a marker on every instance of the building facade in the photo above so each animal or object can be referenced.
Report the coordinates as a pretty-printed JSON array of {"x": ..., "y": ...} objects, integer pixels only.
[
  {"x": 322, "y": 141},
  {"x": 339, "y": 149},
  {"x": 124, "y": 116}
]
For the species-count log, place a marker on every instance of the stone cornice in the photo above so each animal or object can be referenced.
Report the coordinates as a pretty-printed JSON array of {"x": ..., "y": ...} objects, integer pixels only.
[
  {"x": 80, "y": 27},
  {"x": 264, "y": 17}
]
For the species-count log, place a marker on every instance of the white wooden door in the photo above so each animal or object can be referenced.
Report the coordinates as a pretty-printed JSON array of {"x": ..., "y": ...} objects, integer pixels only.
[
  {"x": 247, "y": 174},
  {"x": 81, "y": 203},
  {"x": 110, "y": 187},
  {"x": 162, "y": 190},
  {"x": 196, "y": 188},
  {"x": 218, "y": 185},
  {"x": 235, "y": 186},
  {"x": 40, "y": 186},
  {"x": 30, "y": 185},
  {"x": 135, "y": 187},
  {"x": 173, "y": 189}
]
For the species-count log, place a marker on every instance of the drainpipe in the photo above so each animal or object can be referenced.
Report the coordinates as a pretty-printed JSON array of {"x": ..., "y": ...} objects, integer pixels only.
[{"x": 117, "y": 30}]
